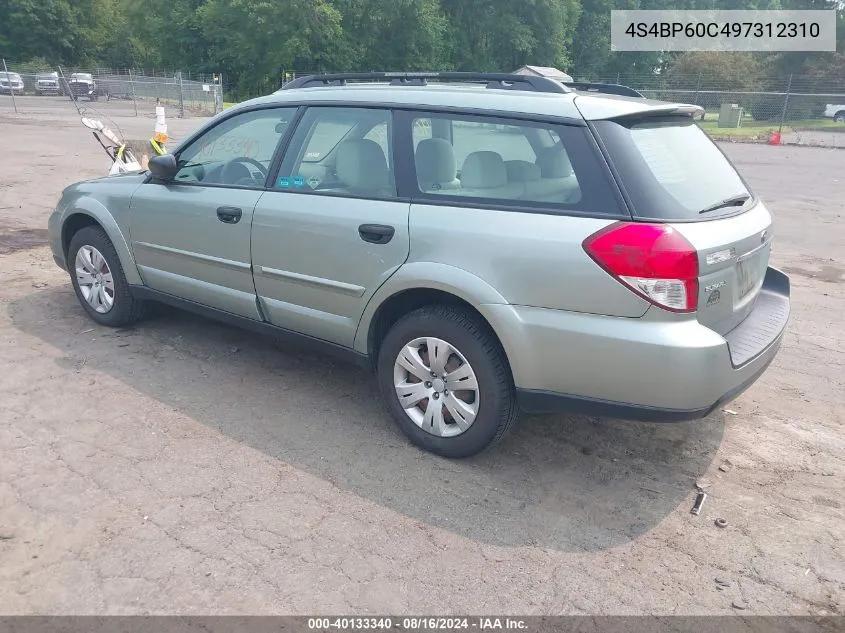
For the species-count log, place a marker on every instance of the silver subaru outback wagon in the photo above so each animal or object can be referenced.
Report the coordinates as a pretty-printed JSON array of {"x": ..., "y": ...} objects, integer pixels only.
[{"x": 485, "y": 243}]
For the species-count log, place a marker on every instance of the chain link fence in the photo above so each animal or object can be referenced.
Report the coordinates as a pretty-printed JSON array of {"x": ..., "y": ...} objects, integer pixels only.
[
  {"x": 132, "y": 92},
  {"x": 791, "y": 109},
  {"x": 801, "y": 110},
  {"x": 787, "y": 109}
]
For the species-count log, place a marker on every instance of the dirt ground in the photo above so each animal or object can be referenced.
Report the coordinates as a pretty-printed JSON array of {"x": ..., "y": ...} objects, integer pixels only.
[{"x": 186, "y": 467}]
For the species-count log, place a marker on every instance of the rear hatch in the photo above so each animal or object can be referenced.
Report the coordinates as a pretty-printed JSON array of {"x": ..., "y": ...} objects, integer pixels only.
[{"x": 673, "y": 175}]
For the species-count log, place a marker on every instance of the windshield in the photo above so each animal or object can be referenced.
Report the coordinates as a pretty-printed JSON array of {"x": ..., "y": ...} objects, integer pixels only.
[
  {"x": 81, "y": 77},
  {"x": 672, "y": 170},
  {"x": 11, "y": 76}
]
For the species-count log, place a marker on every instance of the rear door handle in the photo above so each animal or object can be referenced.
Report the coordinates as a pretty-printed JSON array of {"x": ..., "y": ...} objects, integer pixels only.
[
  {"x": 229, "y": 215},
  {"x": 376, "y": 233}
]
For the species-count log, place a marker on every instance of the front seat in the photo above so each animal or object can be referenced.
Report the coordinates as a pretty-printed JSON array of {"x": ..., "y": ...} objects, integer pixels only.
[
  {"x": 437, "y": 169},
  {"x": 361, "y": 168}
]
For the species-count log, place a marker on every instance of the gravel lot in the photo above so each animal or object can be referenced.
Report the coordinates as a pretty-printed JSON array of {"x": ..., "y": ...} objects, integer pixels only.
[{"x": 186, "y": 467}]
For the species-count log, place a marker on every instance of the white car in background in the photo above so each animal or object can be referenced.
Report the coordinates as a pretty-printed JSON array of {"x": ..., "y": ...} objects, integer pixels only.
[
  {"x": 11, "y": 83},
  {"x": 835, "y": 112}
]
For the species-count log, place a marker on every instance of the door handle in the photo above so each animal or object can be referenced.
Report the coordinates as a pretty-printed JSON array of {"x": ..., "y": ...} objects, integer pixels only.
[
  {"x": 376, "y": 233},
  {"x": 229, "y": 215}
]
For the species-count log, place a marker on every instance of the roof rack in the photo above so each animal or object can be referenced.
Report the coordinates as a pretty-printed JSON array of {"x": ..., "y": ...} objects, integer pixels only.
[
  {"x": 499, "y": 81},
  {"x": 610, "y": 89}
]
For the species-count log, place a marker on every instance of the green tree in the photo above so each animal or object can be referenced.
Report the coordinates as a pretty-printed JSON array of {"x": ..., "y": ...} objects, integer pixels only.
[
  {"x": 501, "y": 35},
  {"x": 715, "y": 71},
  {"x": 167, "y": 34},
  {"x": 253, "y": 40},
  {"x": 394, "y": 34}
]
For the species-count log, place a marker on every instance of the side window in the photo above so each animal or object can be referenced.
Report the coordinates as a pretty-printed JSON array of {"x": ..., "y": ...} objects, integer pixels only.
[
  {"x": 340, "y": 151},
  {"x": 237, "y": 151},
  {"x": 491, "y": 159}
]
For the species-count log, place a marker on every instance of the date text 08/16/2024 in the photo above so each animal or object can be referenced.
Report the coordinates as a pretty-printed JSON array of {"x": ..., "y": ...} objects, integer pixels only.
[{"x": 416, "y": 624}]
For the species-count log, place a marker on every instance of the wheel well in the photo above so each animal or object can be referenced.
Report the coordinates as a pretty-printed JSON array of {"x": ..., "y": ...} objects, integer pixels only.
[
  {"x": 72, "y": 225},
  {"x": 407, "y": 301},
  {"x": 839, "y": 113}
]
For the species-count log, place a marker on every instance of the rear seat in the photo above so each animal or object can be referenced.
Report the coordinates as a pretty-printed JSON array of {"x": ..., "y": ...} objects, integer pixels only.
[
  {"x": 557, "y": 182},
  {"x": 484, "y": 175},
  {"x": 522, "y": 171}
]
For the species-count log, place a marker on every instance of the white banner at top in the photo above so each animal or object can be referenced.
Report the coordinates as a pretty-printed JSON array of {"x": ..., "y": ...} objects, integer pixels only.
[{"x": 751, "y": 31}]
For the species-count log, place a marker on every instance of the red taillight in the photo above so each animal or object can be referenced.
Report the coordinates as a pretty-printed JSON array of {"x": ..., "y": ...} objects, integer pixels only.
[{"x": 653, "y": 260}]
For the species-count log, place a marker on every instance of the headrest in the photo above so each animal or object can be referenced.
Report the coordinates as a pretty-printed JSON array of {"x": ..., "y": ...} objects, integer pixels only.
[
  {"x": 436, "y": 161},
  {"x": 522, "y": 171},
  {"x": 483, "y": 170},
  {"x": 553, "y": 162},
  {"x": 361, "y": 164}
]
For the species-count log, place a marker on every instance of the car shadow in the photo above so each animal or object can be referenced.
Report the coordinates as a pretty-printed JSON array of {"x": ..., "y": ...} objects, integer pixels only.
[{"x": 571, "y": 483}]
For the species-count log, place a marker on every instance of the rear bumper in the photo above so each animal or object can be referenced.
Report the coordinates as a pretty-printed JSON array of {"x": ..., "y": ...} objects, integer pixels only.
[
  {"x": 642, "y": 369},
  {"x": 549, "y": 402}
]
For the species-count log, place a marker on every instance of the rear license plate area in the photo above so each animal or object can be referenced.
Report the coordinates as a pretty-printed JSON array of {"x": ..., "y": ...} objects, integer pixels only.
[{"x": 749, "y": 273}]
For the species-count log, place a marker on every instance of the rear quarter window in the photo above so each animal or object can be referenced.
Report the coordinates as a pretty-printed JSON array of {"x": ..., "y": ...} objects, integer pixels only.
[{"x": 670, "y": 168}]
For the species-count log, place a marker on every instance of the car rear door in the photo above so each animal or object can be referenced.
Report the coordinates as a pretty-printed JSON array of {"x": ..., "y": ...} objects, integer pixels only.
[{"x": 332, "y": 228}]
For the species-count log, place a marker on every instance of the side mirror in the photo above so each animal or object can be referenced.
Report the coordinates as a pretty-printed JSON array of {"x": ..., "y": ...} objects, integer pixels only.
[{"x": 163, "y": 168}]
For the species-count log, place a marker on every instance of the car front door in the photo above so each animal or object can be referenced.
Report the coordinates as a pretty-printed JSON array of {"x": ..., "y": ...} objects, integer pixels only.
[
  {"x": 332, "y": 229},
  {"x": 191, "y": 236}
]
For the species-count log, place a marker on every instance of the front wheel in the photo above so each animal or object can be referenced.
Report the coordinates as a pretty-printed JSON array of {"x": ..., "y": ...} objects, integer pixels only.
[
  {"x": 839, "y": 117},
  {"x": 98, "y": 279},
  {"x": 446, "y": 381}
]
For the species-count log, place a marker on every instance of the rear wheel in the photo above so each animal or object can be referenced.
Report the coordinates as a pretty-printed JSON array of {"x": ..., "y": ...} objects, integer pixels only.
[
  {"x": 446, "y": 381},
  {"x": 839, "y": 117},
  {"x": 98, "y": 279}
]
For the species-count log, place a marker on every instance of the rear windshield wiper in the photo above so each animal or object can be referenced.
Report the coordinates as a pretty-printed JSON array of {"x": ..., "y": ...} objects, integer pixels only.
[{"x": 734, "y": 201}]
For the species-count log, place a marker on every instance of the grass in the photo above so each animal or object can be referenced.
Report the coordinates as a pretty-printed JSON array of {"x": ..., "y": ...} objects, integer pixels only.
[
  {"x": 749, "y": 129},
  {"x": 754, "y": 129},
  {"x": 815, "y": 124}
]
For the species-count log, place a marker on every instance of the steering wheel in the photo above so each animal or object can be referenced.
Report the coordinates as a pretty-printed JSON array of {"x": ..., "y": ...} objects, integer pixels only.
[{"x": 235, "y": 170}]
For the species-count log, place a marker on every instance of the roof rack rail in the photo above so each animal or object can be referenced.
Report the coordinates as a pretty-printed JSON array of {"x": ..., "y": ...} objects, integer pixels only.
[
  {"x": 610, "y": 89},
  {"x": 500, "y": 81}
]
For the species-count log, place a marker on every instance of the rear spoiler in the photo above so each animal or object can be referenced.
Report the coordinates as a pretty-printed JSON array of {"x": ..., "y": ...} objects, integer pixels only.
[
  {"x": 632, "y": 108},
  {"x": 610, "y": 89},
  {"x": 667, "y": 109}
]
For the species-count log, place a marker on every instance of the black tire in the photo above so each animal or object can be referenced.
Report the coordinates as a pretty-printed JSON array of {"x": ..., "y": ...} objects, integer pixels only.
[
  {"x": 126, "y": 309},
  {"x": 839, "y": 117},
  {"x": 497, "y": 409}
]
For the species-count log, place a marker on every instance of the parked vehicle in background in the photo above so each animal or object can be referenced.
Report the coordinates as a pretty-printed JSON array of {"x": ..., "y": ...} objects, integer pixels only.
[
  {"x": 835, "y": 111},
  {"x": 47, "y": 84},
  {"x": 83, "y": 85},
  {"x": 11, "y": 83},
  {"x": 496, "y": 243}
]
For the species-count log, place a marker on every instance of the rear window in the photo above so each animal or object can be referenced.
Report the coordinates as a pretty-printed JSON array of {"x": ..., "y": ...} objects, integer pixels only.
[{"x": 671, "y": 169}]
